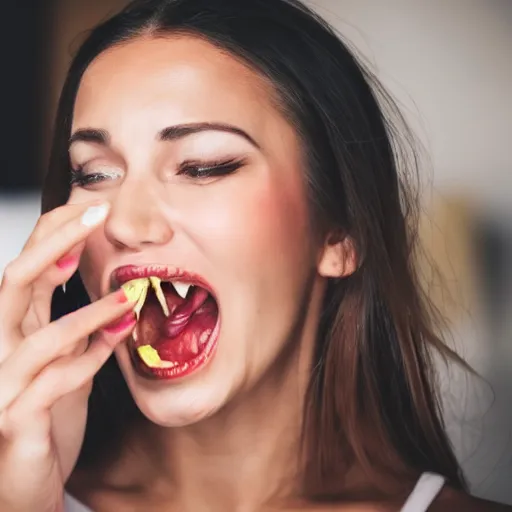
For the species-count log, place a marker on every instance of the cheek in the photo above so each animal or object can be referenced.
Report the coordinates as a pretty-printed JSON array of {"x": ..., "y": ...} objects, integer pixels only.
[
  {"x": 275, "y": 220},
  {"x": 253, "y": 223}
]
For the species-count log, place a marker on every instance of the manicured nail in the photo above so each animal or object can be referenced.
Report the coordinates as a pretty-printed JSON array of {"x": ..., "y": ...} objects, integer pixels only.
[
  {"x": 121, "y": 296},
  {"x": 94, "y": 215},
  {"x": 67, "y": 261}
]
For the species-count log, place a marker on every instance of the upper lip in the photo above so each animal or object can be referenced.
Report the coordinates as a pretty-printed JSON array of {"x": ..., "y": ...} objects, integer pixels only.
[{"x": 126, "y": 273}]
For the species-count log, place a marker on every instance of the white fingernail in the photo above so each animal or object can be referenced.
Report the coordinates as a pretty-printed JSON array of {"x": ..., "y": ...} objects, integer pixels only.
[{"x": 94, "y": 215}]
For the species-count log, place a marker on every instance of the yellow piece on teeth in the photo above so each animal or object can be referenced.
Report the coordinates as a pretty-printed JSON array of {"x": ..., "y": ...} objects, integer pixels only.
[
  {"x": 150, "y": 356},
  {"x": 157, "y": 286},
  {"x": 137, "y": 291},
  {"x": 135, "y": 288}
]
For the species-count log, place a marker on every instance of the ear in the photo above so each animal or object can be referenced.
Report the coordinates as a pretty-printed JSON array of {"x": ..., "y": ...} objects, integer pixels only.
[{"x": 338, "y": 256}]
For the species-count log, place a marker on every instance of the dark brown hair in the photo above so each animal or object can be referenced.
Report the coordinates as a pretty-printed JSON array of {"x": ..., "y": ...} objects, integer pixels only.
[{"x": 372, "y": 399}]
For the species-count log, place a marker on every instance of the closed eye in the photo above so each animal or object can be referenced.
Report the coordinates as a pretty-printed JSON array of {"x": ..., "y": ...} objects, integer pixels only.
[
  {"x": 81, "y": 178},
  {"x": 195, "y": 169},
  {"x": 190, "y": 168}
]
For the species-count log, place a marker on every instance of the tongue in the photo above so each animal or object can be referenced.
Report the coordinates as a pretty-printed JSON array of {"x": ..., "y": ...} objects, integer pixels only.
[
  {"x": 181, "y": 313},
  {"x": 182, "y": 335}
]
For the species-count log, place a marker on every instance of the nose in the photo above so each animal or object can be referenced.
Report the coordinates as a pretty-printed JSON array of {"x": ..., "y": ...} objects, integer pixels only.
[{"x": 136, "y": 221}]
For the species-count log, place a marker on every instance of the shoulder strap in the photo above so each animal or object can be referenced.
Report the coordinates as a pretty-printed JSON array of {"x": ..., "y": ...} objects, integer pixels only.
[
  {"x": 73, "y": 505},
  {"x": 424, "y": 493}
]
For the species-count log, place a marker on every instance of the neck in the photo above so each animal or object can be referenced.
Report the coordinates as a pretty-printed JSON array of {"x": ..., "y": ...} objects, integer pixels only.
[
  {"x": 240, "y": 459},
  {"x": 245, "y": 457}
]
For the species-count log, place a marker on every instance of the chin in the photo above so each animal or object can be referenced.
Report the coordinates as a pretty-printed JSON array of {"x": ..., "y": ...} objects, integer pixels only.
[
  {"x": 190, "y": 353},
  {"x": 185, "y": 401}
]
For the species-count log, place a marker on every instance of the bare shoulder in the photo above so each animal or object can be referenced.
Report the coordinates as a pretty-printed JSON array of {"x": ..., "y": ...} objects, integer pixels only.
[{"x": 450, "y": 499}]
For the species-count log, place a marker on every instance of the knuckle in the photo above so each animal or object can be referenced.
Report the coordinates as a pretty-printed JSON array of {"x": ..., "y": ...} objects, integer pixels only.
[
  {"x": 39, "y": 230},
  {"x": 35, "y": 345},
  {"x": 7, "y": 424},
  {"x": 51, "y": 377},
  {"x": 12, "y": 275},
  {"x": 50, "y": 216},
  {"x": 66, "y": 330},
  {"x": 44, "y": 222},
  {"x": 41, "y": 221},
  {"x": 57, "y": 380},
  {"x": 49, "y": 341},
  {"x": 5, "y": 351}
]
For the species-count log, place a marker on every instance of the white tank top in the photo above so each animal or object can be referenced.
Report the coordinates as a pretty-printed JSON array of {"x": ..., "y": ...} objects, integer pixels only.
[{"x": 424, "y": 493}]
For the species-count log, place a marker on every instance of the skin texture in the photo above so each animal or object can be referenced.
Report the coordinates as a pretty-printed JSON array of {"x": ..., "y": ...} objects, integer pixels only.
[
  {"x": 245, "y": 233},
  {"x": 249, "y": 235},
  {"x": 46, "y": 368}
]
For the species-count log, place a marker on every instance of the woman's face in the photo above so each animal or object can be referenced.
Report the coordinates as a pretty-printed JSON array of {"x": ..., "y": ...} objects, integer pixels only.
[{"x": 243, "y": 230}]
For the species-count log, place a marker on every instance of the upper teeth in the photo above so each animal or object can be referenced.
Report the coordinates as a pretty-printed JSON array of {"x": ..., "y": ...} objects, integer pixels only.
[
  {"x": 157, "y": 286},
  {"x": 137, "y": 290},
  {"x": 181, "y": 288}
]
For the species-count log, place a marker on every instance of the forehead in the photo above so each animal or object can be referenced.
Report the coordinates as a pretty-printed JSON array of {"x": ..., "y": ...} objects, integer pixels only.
[{"x": 169, "y": 80}]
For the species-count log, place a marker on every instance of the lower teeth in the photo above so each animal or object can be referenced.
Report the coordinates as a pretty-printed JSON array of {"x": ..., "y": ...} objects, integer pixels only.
[{"x": 204, "y": 337}]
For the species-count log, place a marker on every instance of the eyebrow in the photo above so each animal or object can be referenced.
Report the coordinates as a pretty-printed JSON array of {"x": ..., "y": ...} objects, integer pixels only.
[
  {"x": 171, "y": 133},
  {"x": 101, "y": 137}
]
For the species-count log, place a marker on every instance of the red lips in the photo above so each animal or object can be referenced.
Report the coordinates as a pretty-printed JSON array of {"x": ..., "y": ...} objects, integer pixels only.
[{"x": 127, "y": 273}]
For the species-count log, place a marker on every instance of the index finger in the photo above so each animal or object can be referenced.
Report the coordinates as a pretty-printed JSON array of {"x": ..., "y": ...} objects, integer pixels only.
[
  {"x": 54, "y": 219},
  {"x": 15, "y": 289}
]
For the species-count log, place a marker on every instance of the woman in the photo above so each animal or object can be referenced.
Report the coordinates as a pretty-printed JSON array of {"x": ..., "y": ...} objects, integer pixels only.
[{"x": 225, "y": 200}]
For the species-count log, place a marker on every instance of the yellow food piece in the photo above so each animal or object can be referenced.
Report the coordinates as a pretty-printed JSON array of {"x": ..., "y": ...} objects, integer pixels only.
[
  {"x": 157, "y": 286},
  {"x": 137, "y": 291},
  {"x": 135, "y": 288},
  {"x": 150, "y": 356},
  {"x": 142, "y": 299}
]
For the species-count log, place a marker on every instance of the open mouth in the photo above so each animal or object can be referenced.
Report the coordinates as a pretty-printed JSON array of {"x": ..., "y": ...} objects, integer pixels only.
[{"x": 177, "y": 320}]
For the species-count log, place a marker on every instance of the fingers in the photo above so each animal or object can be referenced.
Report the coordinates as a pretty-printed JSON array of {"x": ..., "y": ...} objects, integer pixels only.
[
  {"x": 55, "y": 218},
  {"x": 15, "y": 290},
  {"x": 62, "y": 377},
  {"x": 59, "y": 339},
  {"x": 38, "y": 313}
]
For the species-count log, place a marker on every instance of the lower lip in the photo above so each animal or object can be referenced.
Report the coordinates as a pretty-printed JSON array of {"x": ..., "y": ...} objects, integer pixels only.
[{"x": 183, "y": 369}]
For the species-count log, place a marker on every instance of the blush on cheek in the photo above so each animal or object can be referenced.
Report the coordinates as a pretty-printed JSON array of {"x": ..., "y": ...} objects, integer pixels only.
[
  {"x": 278, "y": 218},
  {"x": 245, "y": 222}
]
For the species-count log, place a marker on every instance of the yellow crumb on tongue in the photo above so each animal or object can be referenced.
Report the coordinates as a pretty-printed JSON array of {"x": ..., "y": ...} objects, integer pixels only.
[
  {"x": 150, "y": 356},
  {"x": 152, "y": 359}
]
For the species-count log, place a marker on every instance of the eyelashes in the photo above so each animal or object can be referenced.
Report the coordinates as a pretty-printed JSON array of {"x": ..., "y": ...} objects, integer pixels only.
[
  {"x": 193, "y": 169},
  {"x": 80, "y": 178}
]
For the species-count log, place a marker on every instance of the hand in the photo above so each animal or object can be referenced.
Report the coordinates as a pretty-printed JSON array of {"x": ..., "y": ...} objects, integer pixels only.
[{"x": 46, "y": 368}]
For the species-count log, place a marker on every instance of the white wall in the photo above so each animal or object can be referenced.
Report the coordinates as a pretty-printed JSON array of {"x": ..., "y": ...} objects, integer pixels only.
[
  {"x": 449, "y": 64},
  {"x": 18, "y": 215},
  {"x": 453, "y": 58}
]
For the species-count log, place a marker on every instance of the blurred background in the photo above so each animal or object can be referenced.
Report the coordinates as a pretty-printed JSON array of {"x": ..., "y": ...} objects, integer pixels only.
[{"x": 449, "y": 65}]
